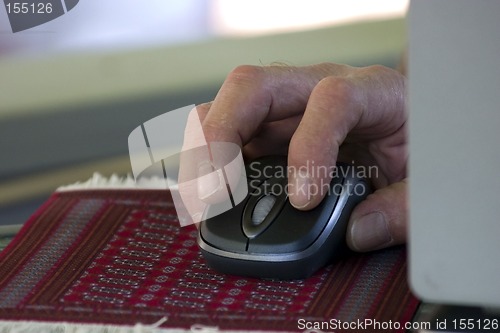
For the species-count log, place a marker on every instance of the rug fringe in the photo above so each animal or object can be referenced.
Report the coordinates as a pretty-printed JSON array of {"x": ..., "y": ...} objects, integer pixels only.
[
  {"x": 63, "y": 327},
  {"x": 11, "y": 326},
  {"x": 98, "y": 181}
]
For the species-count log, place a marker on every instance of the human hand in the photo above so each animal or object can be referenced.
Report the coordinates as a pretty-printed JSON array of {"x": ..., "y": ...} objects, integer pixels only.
[{"x": 317, "y": 115}]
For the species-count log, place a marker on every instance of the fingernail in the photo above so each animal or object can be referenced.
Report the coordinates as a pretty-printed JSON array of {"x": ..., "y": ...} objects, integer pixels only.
[
  {"x": 301, "y": 195},
  {"x": 209, "y": 180},
  {"x": 370, "y": 232}
]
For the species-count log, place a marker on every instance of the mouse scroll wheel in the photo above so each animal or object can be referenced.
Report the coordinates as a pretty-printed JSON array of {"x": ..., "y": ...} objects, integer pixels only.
[{"x": 262, "y": 209}]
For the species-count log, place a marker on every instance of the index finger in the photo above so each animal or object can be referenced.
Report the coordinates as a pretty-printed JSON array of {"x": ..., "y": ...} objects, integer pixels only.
[{"x": 252, "y": 95}]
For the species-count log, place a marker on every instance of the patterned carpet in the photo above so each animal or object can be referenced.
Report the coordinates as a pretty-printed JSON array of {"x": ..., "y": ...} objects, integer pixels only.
[{"x": 119, "y": 257}]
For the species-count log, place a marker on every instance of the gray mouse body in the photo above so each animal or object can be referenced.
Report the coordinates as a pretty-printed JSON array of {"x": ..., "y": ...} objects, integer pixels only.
[{"x": 265, "y": 236}]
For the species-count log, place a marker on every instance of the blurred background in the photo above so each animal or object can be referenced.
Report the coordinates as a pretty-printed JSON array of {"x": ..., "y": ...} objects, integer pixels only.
[{"x": 72, "y": 89}]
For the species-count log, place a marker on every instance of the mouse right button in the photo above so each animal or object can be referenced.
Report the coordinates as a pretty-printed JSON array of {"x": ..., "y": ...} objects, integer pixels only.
[{"x": 294, "y": 230}]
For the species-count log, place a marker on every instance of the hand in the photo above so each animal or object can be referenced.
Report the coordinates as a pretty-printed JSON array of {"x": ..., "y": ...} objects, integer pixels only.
[{"x": 320, "y": 114}]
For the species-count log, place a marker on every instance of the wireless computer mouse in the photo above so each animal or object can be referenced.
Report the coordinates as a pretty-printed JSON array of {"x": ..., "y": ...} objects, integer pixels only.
[{"x": 264, "y": 236}]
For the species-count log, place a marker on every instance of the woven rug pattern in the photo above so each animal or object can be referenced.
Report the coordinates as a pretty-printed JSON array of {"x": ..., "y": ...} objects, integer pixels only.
[{"x": 120, "y": 257}]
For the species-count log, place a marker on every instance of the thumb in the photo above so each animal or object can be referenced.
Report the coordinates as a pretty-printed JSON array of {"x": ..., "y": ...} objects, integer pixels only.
[{"x": 379, "y": 221}]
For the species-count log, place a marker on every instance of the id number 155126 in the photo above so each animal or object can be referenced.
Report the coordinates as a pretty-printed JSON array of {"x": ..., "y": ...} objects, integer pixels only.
[{"x": 28, "y": 8}]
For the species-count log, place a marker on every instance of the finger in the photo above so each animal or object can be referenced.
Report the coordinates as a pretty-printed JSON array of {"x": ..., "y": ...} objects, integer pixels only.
[
  {"x": 381, "y": 220},
  {"x": 249, "y": 97},
  {"x": 330, "y": 114},
  {"x": 203, "y": 110},
  {"x": 252, "y": 95},
  {"x": 200, "y": 180},
  {"x": 194, "y": 150},
  {"x": 367, "y": 105}
]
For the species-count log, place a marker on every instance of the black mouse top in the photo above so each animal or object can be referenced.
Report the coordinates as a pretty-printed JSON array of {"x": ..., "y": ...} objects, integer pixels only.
[{"x": 265, "y": 236}]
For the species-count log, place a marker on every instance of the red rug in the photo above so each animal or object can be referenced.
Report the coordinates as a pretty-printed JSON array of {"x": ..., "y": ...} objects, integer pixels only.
[{"x": 120, "y": 257}]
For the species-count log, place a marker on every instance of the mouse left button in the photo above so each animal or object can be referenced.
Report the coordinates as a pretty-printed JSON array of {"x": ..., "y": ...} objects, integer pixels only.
[{"x": 223, "y": 232}]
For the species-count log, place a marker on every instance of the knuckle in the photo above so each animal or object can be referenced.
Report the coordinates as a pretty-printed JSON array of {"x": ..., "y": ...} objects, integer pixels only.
[
  {"x": 337, "y": 90},
  {"x": 383, "y": 73},
  {"x": 376, "y": 70},
  {"x": 245, "y": 75},
  {"x": 390, "y": 84},
  {"x": 337, "y": 86}
]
